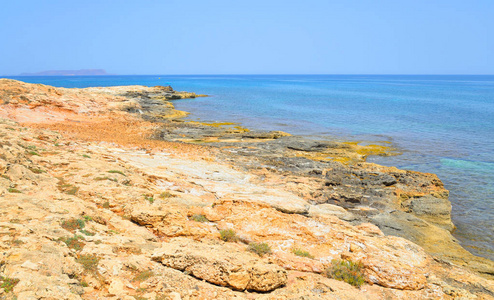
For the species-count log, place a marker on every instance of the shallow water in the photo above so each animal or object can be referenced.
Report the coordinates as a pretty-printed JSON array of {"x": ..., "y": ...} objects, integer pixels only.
[{"x": 443, "y": 124}]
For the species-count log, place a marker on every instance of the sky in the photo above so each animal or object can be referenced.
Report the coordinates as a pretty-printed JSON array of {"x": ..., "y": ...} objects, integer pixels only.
[{"x": 248, "y": 37}]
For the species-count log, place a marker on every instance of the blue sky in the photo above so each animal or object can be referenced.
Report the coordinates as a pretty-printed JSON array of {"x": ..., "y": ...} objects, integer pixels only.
[{"x": 249, "y": 37}]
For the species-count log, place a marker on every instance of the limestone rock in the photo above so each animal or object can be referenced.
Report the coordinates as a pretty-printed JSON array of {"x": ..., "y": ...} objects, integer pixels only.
[
  {"x": 432, "y": 238},
  {"x": 290, "y": 204},
  {"x": 291, "y": 262},
  {"x": 169, "y": 220},
  {"x": 331, "y": 210},
  {"x": 116, "y": 287},
  {"x": 399, "y": 271},
  {"x": 431, "y": 209},
  {"x": 221, "y": 265}
]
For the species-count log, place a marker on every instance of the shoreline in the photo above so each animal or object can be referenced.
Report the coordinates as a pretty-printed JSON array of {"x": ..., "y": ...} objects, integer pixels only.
[
  {"x": 401, "y": 203},
  {"x": 463, "y": 200},
  {"x": 160, "y": 109}
]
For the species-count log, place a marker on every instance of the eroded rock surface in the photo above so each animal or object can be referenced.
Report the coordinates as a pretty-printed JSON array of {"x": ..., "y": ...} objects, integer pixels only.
[{"x": 222, "y": 265}]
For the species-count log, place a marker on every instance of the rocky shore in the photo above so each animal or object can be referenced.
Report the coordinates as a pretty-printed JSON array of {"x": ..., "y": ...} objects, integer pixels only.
[{"x": 107, "y": 193}]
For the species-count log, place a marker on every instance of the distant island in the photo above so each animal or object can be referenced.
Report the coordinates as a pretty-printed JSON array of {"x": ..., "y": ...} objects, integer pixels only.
[{"x": 85, "y": 72}]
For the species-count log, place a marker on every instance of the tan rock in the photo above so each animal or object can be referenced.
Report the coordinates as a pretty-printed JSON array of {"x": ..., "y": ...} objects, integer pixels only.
[
  {"x": 431, "y": 209},
  {"x": 388, "y": 261},
  {"x": 330, "y": 210},
  {"x": 221, "y": 264},
  {"x": 170, "y": 221},
  {"x": 370, "y": 229},
  {"x": 174, "y": 296},
  {"x": 289, "y": 261},
  {"x": 30, "y": 265},
  {"x": 117, "y": 287}
]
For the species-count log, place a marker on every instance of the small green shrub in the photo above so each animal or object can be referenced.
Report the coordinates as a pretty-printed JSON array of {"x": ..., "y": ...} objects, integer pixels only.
[
  {"x": 33, "y": 153},
  {"x": 73, "y": 242},
  {"x": 8, "y": 284},
  {"x": 66, "y": 187},
  {"x": 149, "y": 198},
  {"x": 86, "y": 156},
  {"x": 12, "y": 190},
  {"x": 301, "y": 252},
  {"x": 37, "y": 171},
  {"x": 259, "y": 248},
  {"x": 89, "y": 262},
  {"x": 86, "y": 232},
  {"x": 112, "y": 232},
  {"x": 228, "y": 235},
  {"x": 199, "y": 218},
  {"x": 165, "y": 195},
  {"x": 346, "y": 270},
  {"x": 105, "y": 178},
  {"x": 117, "y": 172},
  {"x": 17, "y": 242},
  {"x": 144, "y": 275},
  {"x": 72, "y": 190},
  {"x": 73, "y": 224}
]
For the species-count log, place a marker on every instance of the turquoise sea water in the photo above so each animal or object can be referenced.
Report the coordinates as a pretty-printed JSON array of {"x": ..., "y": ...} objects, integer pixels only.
[{"x": 443, "y": 124}]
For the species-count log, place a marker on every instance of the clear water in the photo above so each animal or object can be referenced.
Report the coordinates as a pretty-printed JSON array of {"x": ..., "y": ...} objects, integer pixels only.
[{"x": 443, "y": 124}]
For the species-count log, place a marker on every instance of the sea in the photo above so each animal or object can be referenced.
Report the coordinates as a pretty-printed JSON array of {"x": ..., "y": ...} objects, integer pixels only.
[{"x": 440, "y": 124}]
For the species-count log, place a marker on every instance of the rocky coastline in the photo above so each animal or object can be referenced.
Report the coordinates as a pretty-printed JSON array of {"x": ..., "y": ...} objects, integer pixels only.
[{"x": 109, "y": 193}]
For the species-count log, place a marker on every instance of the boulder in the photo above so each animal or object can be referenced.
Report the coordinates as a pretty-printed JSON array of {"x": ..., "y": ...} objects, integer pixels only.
[
  {"x": 290, "y": 204},
  {"x": 221, "y": 265}
]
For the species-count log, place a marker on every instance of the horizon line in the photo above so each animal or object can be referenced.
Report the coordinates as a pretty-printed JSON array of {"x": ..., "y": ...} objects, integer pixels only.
[{"x": 262, "y": 74}]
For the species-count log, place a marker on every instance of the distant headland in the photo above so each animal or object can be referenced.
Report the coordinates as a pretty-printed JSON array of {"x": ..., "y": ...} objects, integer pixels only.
[{"x": 84, "y": 72}]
